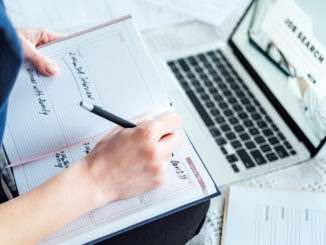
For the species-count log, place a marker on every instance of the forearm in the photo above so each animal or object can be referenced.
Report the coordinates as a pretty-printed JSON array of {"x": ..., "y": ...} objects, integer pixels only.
[{"x": 35, "y": 215}]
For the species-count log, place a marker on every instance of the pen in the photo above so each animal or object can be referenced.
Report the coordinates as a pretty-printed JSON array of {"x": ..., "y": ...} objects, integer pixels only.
[{"x": 107, "y": 115}]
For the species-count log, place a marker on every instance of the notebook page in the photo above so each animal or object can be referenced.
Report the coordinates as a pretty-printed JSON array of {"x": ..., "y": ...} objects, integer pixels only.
[
  {"x": 108, "y": 67},
  {"x": 269, "y": 216},
  {"x": 187, "y": 181}
]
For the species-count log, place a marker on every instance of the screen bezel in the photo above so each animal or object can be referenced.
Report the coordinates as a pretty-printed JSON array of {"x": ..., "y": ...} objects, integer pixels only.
[{"x": 269, "y": 94}]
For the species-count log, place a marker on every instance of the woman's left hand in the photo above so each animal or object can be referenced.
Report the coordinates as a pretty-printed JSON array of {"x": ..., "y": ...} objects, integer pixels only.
[{"x": 30, "y": 39}]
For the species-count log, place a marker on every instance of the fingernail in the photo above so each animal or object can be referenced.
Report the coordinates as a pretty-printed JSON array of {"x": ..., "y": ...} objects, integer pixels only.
[{"x": 51, "y": 69}]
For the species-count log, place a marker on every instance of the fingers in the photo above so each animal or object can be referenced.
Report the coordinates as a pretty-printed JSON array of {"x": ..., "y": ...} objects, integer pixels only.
[
  {"x": 42, "y": 64},
  {"x": 143, "y": 119},
  {"x": 30, "y": 39},
  {"x": 164, "y": 124},
  {"x": 169, "y": 143},
  {"x": 47, "y": 36}
]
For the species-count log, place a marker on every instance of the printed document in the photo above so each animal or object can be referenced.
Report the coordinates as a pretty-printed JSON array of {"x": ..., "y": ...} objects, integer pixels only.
[{"x": 256, "y": 216}]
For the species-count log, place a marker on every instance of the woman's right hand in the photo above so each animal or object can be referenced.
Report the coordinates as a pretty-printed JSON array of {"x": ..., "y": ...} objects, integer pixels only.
[{"x": 128, "y": 162}]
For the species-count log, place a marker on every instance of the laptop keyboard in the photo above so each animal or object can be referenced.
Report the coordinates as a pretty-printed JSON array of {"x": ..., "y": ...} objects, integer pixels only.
[{"x": 243, "y": 130}]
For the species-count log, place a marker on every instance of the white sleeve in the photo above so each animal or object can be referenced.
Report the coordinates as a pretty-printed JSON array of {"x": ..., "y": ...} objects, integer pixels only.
[{"x": 315, "y": 111}]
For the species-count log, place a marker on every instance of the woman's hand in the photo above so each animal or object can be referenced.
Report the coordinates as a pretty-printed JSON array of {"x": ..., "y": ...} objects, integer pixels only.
[
  {"x": 30, "y": 39},
  {"x": 128, "y": 162}
]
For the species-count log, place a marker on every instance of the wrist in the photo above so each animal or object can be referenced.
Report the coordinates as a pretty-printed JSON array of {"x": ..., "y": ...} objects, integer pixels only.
[{"x": 97, "y": 196}]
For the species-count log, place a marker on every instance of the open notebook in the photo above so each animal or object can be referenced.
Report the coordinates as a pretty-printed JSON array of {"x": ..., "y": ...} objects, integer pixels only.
[
  {"x": 47, "y": 130},
  {"x": 255, "y": 216}
]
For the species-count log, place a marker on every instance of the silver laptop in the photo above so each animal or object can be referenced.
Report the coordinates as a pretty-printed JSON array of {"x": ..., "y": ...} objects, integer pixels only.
[{"x": 253, "y": 104}]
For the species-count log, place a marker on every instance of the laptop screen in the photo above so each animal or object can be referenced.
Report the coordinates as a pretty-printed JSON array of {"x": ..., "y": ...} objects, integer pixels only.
[{"x": 285, "y": 42}]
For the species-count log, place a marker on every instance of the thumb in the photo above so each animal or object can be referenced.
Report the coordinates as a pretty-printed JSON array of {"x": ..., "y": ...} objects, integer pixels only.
[{"x": 42, "y": 64}]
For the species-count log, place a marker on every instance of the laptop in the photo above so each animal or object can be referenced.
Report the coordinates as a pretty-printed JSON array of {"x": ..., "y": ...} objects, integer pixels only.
[{"x": 252, "y": 105}]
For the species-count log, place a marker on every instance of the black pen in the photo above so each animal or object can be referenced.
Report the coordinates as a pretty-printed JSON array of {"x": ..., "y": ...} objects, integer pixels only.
[{"x": 107, "y": 115}]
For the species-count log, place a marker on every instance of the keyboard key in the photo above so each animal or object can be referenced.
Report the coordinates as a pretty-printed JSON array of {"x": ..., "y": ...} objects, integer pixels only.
[
  {"x": 220, "y": 141},
  {"x": 239, "y": 128},
  {"x": 253, "y": 131},
  {"x": 240, "y": 93},
  {"x": 236, "y": 144},
  {"x": 204, "y": 97},
  {"x": 219, "y": 119},
  {"x": 179, "y": 76},
  {"x": 212, "y": 72},
  {"x": 256, "y": 102},
  {"x": 218, "y": 98},
  {"x": 265, "y": 148},
  {"x": 281, "y": 136},
  {"x": 185, "y": 85},
  {"x": 260, "y": 140},
  {"x": 261, "y": 124},
  {"x": 235, "y": 86},
  {"x": 224, "y": 151},
  {"x": 208, "y": 83},
  {"x": 273, "y": 140},
  {"x": 215, "y": 112},
  {"x": 251, "y": 109},
  {"x": 203, "y": 76},
  {"x": 244, "y": 136},
  {"x": 245, "y": 101},
  {"x": 243, "y": 115},
  {"x": 215, "y": 132},
  {"x": 233, "y": 120},
  {"x": 262, "y": 110},
  {"x": 192, "y": 60},
  {"x": 213, "y": 90},
  {"x": 288, "y": 145},
  {"x": 237, "y": 108},
  {"x": 228, "y": 113},
  {"x": 222, "y": 86},
  {"x": 171, "y": 63},
  {"x": 191, "y": 76},
  {"x": 199, "y": 69},
  {"x": 250, "y": 145},
  {"x": 281, "y": 151},
  {"x": 273, "y": 125},
  {"x": 223, "y": 105},
  {"x": 248, "y": 123},
  {"x": 245, "y": 158},
  {"x": 200, "y": 90},
  {"x": 202, "y": 57},
  {"x": 232, "y": 158},
  {"x": 258, "y": 157},
  {"x": 230, "y": 136},
  {"x": 232, "y": 100},
  {"x": 227, "y": 93},
  {"x": 267, "y": 132},
  {"x": 271, "y": 157},
  {"x": 201, "y": 110},
  {"x": 210, "y": 104},
  {"x": 217, "y": 79},
  {"x": 293, "y": 152},
  {"x": 225, "y": 128},
  {"x": 195, "y": 83},
  {"x": 235, "y": 168},
  {"x": 256, "y": 117}
]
